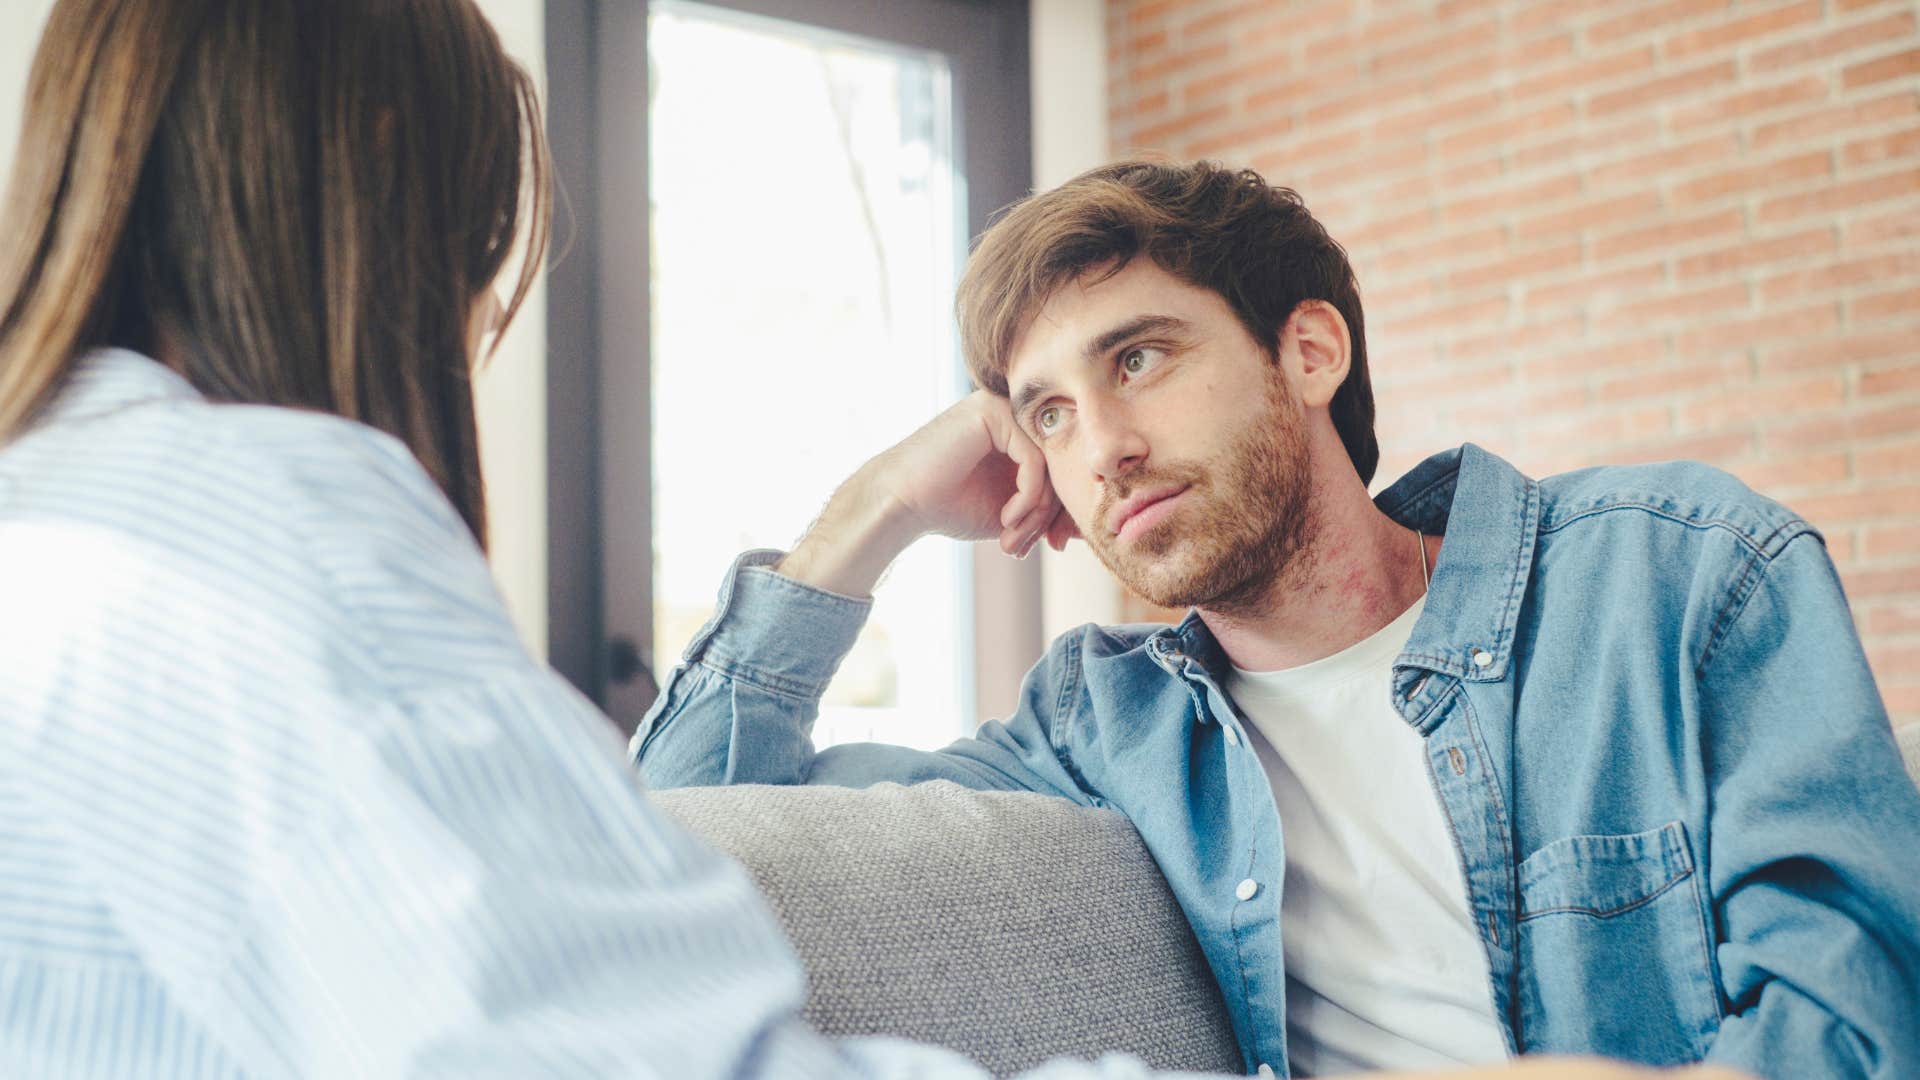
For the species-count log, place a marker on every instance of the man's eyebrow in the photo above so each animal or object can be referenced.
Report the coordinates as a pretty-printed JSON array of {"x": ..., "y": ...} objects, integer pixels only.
[
  {"x": 1098, "y": 348},
  {"x": 1132, "y": 328}
]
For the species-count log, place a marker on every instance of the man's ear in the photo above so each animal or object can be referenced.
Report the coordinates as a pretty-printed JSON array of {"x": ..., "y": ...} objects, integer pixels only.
[{"x": 1317, "y": 351}]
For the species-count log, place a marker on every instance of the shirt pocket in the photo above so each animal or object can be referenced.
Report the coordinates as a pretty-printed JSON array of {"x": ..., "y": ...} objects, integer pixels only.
[{"x": 1613, "y": 948}]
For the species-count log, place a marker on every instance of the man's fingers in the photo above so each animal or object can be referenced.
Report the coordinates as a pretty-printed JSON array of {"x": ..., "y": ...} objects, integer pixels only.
[{"x": 1061, "y": 530}]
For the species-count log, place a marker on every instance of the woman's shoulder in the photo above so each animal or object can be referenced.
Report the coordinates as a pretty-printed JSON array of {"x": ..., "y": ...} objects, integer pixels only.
[{"x": 316, "y": 523}]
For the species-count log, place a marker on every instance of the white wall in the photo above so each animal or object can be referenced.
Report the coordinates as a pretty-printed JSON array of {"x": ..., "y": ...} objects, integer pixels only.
[
  {"x": 512, "y": 399},
  {"x": 511, "y": 393},
  {"x": 1069, "y": 137}
]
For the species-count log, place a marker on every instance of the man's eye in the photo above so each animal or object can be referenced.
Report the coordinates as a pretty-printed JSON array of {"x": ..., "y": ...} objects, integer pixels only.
[
  {"x": 1047, "y": 419},
  {"x": 1138, "y": 360}
]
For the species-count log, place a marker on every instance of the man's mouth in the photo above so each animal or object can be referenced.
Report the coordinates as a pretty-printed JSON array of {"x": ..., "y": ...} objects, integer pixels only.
[{"x": 1143, "y": 510}]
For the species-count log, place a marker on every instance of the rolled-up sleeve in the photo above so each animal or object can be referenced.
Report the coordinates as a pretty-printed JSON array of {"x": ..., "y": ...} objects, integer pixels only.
[
  {"x": 740, "y": 706},
  {"x": 1813, "y": 864}
]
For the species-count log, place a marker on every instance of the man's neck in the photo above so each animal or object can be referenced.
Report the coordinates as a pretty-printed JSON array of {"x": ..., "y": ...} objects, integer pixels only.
[{"x": 1359, "y": 572}]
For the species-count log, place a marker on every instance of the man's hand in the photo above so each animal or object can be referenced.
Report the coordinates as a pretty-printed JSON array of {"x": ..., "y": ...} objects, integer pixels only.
[{"x": 970, "y": 473}]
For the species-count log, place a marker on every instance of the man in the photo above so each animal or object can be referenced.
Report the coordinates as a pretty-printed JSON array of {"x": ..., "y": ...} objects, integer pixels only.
[{"x": 1484, "y": 766}]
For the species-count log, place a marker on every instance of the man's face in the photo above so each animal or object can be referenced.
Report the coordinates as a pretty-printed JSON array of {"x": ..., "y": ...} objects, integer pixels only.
[{"x": 1171, "y": 436}]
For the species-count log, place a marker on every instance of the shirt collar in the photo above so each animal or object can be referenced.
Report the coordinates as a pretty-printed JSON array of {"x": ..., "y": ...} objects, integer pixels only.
[
  {"x": 1490, "y": 514},
  {"x": 103, "y": 381}
]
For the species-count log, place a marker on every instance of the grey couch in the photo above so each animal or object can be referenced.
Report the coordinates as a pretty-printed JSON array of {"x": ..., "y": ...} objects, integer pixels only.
[{"x": 1011, "y": 927}]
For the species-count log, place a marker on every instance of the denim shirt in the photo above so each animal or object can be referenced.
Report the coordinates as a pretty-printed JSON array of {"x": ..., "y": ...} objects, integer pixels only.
[{"x": 1673, "y": 790}]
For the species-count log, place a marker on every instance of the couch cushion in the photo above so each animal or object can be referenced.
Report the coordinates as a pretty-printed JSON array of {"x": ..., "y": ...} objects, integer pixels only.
[{"x": 1012, "y": 927}]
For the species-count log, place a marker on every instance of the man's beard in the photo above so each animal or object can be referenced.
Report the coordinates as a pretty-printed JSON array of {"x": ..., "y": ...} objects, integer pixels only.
[{"x": 1242, "y": 525}]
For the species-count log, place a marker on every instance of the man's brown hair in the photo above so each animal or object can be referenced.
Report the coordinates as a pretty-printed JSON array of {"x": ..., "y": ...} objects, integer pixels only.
[{"x": 1227, "y": 231}]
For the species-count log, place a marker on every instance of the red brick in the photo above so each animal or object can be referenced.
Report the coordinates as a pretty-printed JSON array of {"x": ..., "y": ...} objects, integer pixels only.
[
  {"x": 1903, "y": 379},
  {"x": 1507, "y": 130},
  {"x": 1851, "y": 348},
  {"x": 1602, "y": 213},
  {"x": 1690, "y": 305},
  {"x": 1652, "y": 17},
  {"x": 1430, "y": 50},
  {"x": 1746, "y": 104},
  {"x": 1849, "y": 507},
  {"x": 1650, "y": 167},
  {"x": 1796, "y": 474},
  {"x": 1523, "y": 344},
  {"x": 1751, "y": 253},
  {"x": 1805, "y": 48},
  {"x": 1157, "y": 136},
  {"x": 1539, "y": 191},
  {"x": 1584, "y": 74},
  {"x": 1890, "y": 662},
  {"x": 1847, "y": 273},
  {"x": 1853, "y": 425},
  {"x": 1240, "y": 139},
  {"x": 1721, "y": 335},
  {"x": 1822, "y": 124},
  {"x": 1843, "y": 196},
  {"x": 1287, "y": 92},
  {"x": 1746, "y": 404},
  {"x": 1478, "y": 313},
  {"x": 1902, "y": 701},
  {"x": 1886, "y": 305},
  {"x": 1668, "y": 382},
  {"x": 1880, "y": 69},
  {"x": 1872, "y": 584},
  {"x": 1891, "y": 541},
  {"x": 1887, "y": 462},
  {"x": 1516, "y": 267},
  {"x": 1741, "y": 30},
  {"x": 1222, "y": 18},
  {"x": 1152, "y": 103},
  {"x": 1723, "y": 450},
  {"x": 1145, "y": 11},
  {"x": 1901, "y": 226},
  {"x": 1178, "y": 61},
  {"x": 1442, "y": 250},
  {"x": 1598, "y": 429},
  {"x": 1627, "y": 356},
  {"x": 1596, "y": 290},
  {"x": 1897, "y": 618},
  {"x": 1665, "y": 88},
  {"x": 1668, "y": 234},
  {"x": 1781, "y": 172},
  {"x": 1147, "y": 42},
  {"x": 1419, "y": 120},
  {"x": 1880, "y": 148},
  {"x": 1522, "y": 21}
]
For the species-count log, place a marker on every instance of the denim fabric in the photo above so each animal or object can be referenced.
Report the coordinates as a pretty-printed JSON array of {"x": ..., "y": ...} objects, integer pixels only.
[{"x": 1683, "y": 824}]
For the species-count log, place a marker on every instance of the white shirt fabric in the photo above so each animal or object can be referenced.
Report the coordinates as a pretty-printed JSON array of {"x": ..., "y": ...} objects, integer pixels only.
[{"x": 1384, "y": 967}]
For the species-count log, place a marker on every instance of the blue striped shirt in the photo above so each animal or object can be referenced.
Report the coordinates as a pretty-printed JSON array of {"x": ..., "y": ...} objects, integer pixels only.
[{"x": 282, "y": 794}]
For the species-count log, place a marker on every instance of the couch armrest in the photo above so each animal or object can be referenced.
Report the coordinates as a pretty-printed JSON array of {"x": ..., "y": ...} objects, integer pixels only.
[{"x": 1009, "y": 926}]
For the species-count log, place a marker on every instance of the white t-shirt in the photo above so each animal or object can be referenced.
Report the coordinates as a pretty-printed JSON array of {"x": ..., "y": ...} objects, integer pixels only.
[{"x": 1384, "y": 967}]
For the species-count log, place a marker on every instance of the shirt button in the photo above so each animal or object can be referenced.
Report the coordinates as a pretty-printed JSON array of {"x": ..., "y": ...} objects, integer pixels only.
[
  {"x": 1232, "y": 739},
  {"x": 1246, "y": 889},
  {"x": 1266, "y": 1071},
  {"x": 1481, "y": 658}
]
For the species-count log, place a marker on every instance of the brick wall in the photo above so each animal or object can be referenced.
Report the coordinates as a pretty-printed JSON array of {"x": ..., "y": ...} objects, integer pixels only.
[{"x": 1593, "y": 232}]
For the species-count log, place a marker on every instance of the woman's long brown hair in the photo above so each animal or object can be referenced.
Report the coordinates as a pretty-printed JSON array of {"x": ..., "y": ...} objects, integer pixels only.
[{"x": 292, "y": 202}]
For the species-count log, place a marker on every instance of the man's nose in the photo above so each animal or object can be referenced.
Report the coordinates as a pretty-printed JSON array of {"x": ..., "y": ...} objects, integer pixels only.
[{"x": 1115, "y": 444}]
